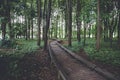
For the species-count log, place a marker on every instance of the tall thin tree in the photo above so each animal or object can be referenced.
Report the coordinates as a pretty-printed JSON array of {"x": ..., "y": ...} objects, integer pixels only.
[
  {"x": 98, "y": 26},
  {"x": 47, "y": 24},
  {"x": 78, "y": 20},
  {"x": 69, "y": 18},
  {"x": 39, "y": 21},
  {"x": 9, "y": 20},
  {"x": 119, "y": 23}
]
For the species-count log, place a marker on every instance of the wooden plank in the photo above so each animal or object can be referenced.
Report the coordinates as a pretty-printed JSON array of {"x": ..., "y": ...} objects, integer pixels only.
[{"x": 54, "y": 60}]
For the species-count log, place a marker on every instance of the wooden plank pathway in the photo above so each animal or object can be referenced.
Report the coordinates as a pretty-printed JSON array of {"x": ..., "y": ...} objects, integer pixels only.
[{"x": 73, "y": 69}]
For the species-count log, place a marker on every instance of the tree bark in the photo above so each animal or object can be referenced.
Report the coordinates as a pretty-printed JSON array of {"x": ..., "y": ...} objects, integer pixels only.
[
  {"x": 47, "y": 24},
  {"x": 39, "y": 21},
  {"x": 32, "y": 28},
  {"x": 119, "y": 24},
  {"x": 84, "y": 42},
  {"x": 31, "y": 20},
  {"x": 44, "y": 18},
  {"x": 3, "y": 23},
  {"x": 98, "y": 26},
  {"x": 66, "y": 21},
  {"x": 78, "y": 20},
  {"x": 111, "y": 37},
  {"x": 119, "y": 30},
  {"x": 11, "y": 35},
  {"x": 89, "y": 31},
  {"x": 69, "y": 12},
  {"x": 3, "y": 26},
  {"x": 28, "y": 32}
]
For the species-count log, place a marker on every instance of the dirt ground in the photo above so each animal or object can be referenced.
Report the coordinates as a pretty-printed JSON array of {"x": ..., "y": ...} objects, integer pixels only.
[{"x": 35, "y": 66}]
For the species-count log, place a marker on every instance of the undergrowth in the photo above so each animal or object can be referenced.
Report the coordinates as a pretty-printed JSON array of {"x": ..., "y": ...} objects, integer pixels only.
[
  {"x": 106, "y": 54},
  {"x": 75, "y": 47},
  {"x": 9, "y": 57}
]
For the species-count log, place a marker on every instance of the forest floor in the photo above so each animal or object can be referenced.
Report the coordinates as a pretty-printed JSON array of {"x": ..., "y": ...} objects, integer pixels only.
[
  {"x": 36, "y": 65},
  {"x": 33, "y": 66},
  {"x": 109, "y": 67}
]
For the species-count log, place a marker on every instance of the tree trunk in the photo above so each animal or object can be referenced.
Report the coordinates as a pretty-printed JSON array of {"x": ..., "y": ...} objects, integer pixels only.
[
  {"x": 89, "y": 31},
  {"x": 11, "y": 35},
  {"x": 3, "y": 26},
  {"x": 69, "y": 12},
  {"x": 111, "y": 37},
  {"x": 3, "y": 23},
  {"x": 84, "y": 42},
  {"x": 98, "y": 25},
  {"x": 66, "y": 21},
  {"x": 26, "y": 28},
  {"x": 62, "y": 25},
  {"x": 119, "y": 32},
  {"x": 39, "y": 21},
  {"x": 78, "y": 20},
  {"x": 44, "y": 18},
  {"x": 56, "y": 28},
  {"x": 32, "y": 28},
  {"x": 47, "y": 24},
  {"x": 119, "y": 25},
  {"x": 31, "y": 20},
  {"x": 105, "y": 31},
  {"x": 28, "y": 32}
]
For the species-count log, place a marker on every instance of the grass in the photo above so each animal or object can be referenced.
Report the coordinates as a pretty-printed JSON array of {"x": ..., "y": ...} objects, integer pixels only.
[
  {"x": 76, "y": 46},
  {"x": 106, "y": 54},
  {"x": 22, "y": 48}
]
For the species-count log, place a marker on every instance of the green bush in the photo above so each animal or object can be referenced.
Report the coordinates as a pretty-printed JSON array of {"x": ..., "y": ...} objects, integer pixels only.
[
  {"x": 106, "y": 54},
  {"x": 6, "y": 43},
  {"x": 13, "y": 56},
  {"x": 76, "y": 46}
]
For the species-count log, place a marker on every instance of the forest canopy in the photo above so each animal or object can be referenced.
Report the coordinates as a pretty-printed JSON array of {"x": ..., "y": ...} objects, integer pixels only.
[{"x": 69, "y": 19}]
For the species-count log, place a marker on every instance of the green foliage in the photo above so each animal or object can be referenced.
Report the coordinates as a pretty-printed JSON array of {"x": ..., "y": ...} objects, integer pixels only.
[
  {"x": 7, "y": 43},
  {"x": 22, "y": 47},
  {"x": 26, "y": 46},
  {"x": 76, "y": 46},
  {"x": 12, "y": 56},
  {"x": 106, "y": 54}
]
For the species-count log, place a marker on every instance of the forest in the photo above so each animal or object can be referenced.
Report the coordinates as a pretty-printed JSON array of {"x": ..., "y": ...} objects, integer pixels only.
[{"x": 90, "y": 28}]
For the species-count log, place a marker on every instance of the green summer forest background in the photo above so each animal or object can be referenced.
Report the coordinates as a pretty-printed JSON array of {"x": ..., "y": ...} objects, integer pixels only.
[{"x": 92, "y": 26}]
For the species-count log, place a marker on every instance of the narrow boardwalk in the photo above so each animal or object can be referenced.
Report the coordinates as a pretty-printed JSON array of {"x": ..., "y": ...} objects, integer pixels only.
[{"x": 74, "y": 69}]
